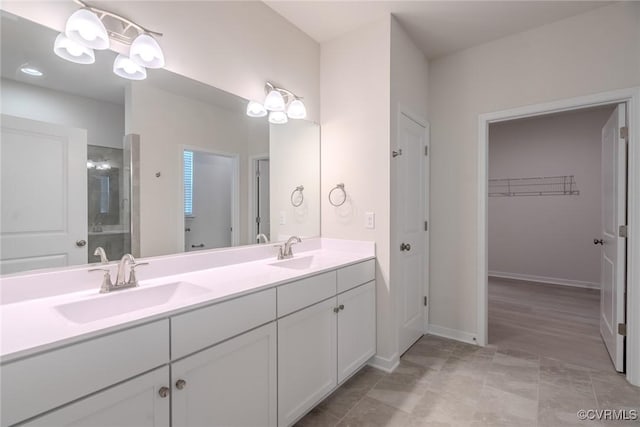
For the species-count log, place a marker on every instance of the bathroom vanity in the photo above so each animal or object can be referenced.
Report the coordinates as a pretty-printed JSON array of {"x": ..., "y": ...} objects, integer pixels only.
[{"x": 251, "y": 341}]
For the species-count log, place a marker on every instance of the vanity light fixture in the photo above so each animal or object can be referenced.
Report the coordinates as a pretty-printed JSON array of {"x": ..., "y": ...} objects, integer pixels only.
[
  {"x": 281, "y": 105},
  {"x": 126, "y": 68},
  {"x": 255, "y": 109},
  {"x": 84, "y": 27},
  {"x": 72, "y": 51},
  {"x": 278, "y": 117},
  {"x": 92, "y": 28}
]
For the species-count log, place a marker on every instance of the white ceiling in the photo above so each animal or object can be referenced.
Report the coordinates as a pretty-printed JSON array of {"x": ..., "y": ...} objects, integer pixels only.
[{"x": 437, "y": 27}]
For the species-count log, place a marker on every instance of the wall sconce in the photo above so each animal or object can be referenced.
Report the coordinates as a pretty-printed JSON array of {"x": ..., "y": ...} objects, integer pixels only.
[
  {"x": 280, "y": 104},
  {"x": 92, "y": 28}
]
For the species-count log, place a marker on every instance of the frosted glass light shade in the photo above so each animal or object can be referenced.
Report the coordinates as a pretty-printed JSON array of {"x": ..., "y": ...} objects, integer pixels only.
[
  {"x": 84, "y": 27},
  {"x": 124, "y": 67},
  {"x": 278, "y": 117},
  {"x": 72, "y": 51},
  {"x": 296, "y": 110},
  {"x": 146, "y": 51},
  {"x": 274, "y": 101},
  {"x": 255, "y": 109}
]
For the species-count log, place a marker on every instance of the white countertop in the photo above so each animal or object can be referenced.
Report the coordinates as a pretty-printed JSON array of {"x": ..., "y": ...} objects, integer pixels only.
[{"x": 34, "y": 325}]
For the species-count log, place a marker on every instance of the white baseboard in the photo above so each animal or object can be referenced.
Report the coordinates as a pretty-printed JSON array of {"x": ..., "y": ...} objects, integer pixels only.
[
  {"x": 387, "y": 365},
  {"x": 453, "y": 334},
  {"x": 543, "y": 279}
]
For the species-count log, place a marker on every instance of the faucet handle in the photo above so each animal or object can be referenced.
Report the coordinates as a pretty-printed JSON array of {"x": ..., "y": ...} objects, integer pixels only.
[
  {"x": 280, "y": 249},
  {"x": 99, "y": 252},
  {"x": 107, "y": 284},
  {"x": 132, "y": 273}
]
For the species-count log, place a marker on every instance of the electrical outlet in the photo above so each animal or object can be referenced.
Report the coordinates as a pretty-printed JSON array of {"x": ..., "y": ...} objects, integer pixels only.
[
  {"x": 283, "y": 217},
  {"x": 369, "y": 220}
]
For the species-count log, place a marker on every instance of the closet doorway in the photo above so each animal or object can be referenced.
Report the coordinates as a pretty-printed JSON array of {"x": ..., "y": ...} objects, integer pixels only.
[{"x": 552, "y": 199}]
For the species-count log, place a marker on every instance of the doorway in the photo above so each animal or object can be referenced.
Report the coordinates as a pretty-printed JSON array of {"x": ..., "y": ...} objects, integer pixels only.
[
  {"x": 260, "y": 200},
  {"x": 545, "y": 212},
  {"x": 209, "y": 192},
  {"x": 631, "y": 100}
]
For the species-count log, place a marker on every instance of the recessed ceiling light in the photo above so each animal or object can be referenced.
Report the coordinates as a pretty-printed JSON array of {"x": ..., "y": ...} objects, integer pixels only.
[{"x": 31, "y": 71}]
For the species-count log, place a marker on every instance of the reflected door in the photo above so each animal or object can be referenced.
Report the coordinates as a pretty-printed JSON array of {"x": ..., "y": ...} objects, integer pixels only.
[
  {"x": 613, "y": 272},
  {"x": 44, "y": 195},
  {"x": 262, "y": 177}
]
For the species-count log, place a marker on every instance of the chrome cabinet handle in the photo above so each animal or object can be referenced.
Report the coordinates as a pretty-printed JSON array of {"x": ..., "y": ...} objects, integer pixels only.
[
  {"x": 336, "y": 309},
  {"x": 341, "y": 307},
  {"x": 181, "y": 384},
  {"x": 598, "y": 242},
  {"x": 201, "y": 245},
  {"x": 163, "y": 392},
  {"x": 405, "y": 247},
  {"x": 81, "y": 243}
]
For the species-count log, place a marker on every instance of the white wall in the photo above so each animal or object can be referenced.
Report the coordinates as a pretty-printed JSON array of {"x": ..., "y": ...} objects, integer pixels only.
[
  {"x": 212, "y": 197},
  {"x": 163, "y": 133},
  {"x": 593, "y": 52},
  {"x": 234, "y": 46},
  {"x": 104, "y": 121},
  {"x": 355, "y": 90},
  {"x": 548, "y": 238},
  {"x": 294, "y": 160}
]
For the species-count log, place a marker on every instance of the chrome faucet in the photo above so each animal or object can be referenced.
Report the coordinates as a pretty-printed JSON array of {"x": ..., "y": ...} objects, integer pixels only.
[
  {"x": 285, "y": 252},
  {"x": 102, "y": 254},
  {"x": 262, "y": 237},
  {"x": 121, "y": 281}
]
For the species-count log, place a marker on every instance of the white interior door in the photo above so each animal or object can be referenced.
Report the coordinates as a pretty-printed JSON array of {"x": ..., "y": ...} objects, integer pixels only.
[
  {"x": 44, "y": 195},
  {"x": 411, "y": 243},
  {"x": 614, "y": 194}
]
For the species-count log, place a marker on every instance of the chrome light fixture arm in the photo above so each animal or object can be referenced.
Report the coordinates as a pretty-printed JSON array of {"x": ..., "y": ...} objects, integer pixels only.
[{"x": 126, "y": 22}]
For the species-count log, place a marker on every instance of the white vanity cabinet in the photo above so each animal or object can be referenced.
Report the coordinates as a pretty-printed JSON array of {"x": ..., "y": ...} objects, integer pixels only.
[
  {"x": 230, "y": 384},
  {"x": 264, "y": 358},
  {"x": 142, "y": 402},
  {"x": 323, "y": 344}
]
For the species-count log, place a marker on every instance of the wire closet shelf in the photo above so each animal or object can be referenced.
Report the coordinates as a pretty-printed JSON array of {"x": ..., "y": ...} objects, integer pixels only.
[{"x": 537, "y": 186}]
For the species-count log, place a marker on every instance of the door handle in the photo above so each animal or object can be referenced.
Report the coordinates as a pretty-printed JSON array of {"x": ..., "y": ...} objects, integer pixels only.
[
  {"x": 405, "y": 247},
  {"x": 598, "y": 242},
  {"x": 81, "y": 243}
]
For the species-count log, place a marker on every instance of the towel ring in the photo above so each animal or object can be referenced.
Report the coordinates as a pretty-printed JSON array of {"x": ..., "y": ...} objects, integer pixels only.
[
  {"x": 344, "y": 195},
  {"x": 298, "y": 203}
]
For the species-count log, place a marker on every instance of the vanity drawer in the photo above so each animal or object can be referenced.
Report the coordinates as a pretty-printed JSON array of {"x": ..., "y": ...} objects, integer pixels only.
[
  {"x": 206, "y": 326},
  {"x": 356, "y": 275},
  {"x": 37, "y": 384},
  {"x": 303, "y": 293}
]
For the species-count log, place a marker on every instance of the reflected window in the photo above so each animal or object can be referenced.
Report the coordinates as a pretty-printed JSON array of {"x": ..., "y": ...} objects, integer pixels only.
[{"x": 188, "y": 183}]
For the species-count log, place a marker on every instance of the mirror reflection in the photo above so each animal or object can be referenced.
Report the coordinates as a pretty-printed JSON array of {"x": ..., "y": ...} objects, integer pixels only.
[{"x": 152, "y": 167}]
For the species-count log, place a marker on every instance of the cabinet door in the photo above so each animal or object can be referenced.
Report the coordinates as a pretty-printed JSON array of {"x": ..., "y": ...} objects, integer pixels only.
[
  {"x": 136, "y": 402},
  {"x": 307, "y": 359},
  {"x": 356, "y": 328},
  {"x": 230, "y": 384}
]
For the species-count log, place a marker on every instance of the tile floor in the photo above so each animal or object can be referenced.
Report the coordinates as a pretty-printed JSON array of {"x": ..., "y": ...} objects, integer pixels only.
[{"x": 447, "y": 383}]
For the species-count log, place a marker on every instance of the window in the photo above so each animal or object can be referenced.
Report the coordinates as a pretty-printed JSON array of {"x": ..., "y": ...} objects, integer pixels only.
[{"x": 188, "y": 183}]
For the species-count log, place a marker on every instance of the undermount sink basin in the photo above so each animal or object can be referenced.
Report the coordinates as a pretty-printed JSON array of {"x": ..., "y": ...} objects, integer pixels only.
[
  {"x": 301, "y": 263},
  {"x": 115, "y": 303}
]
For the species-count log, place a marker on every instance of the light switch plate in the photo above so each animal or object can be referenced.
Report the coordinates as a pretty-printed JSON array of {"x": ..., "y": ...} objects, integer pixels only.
[
  {"x": 369, "y": 220},
  {"x": 283, "y": 217}
]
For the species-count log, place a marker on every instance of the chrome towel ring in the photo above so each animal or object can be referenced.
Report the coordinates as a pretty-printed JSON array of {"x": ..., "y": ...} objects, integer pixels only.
[
  {"x": 297, "y": 201},
  {"x": 341, "y": 200}
]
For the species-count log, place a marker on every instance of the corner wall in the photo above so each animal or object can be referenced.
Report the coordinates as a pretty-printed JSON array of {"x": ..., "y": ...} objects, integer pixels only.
[
  {"x": 355, "y": 92},
  {"x": 589, "y": 53}
]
